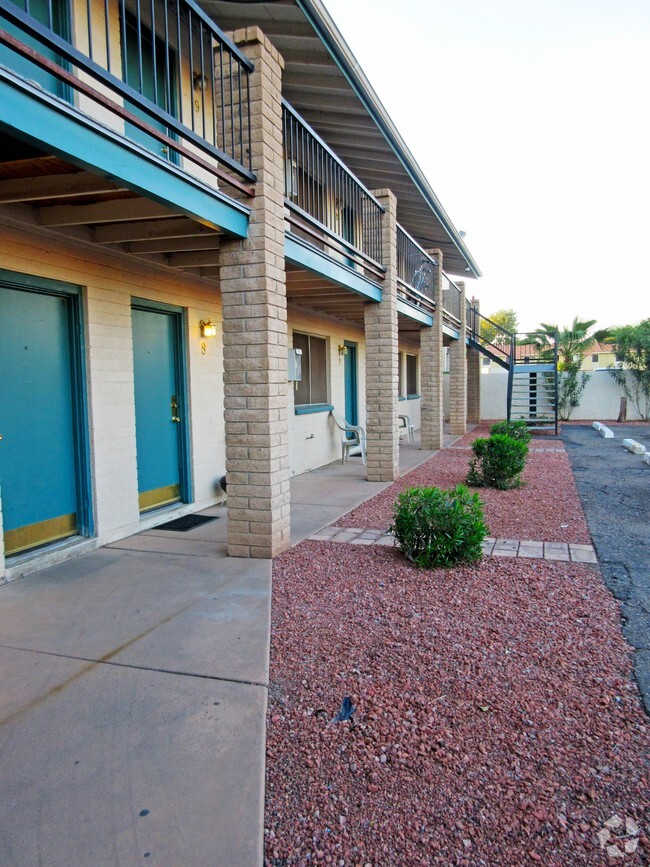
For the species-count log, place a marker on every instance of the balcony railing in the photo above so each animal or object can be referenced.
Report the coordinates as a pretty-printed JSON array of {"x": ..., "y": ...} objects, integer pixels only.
[
  {"x": 470, "y": 317},
  {"x": 493, "y": 338},
  {"x": 451, "y": 298},
  {"x": 160, "y": 73},
  {"x": 328, "y": 204},
  {"x": 415, "y": 272}
]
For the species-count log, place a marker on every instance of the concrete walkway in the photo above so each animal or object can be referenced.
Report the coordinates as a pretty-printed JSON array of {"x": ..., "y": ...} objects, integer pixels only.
[{"x": 134, "y": 689}]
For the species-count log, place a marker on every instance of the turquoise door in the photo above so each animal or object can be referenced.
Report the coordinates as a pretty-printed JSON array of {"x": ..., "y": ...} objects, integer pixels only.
[
  {"x": 146, "y": 71},
  {"x": 54, "y": 16},
  {"x": 351, "y": 384},
  {"x": 38, "y": 451},
  {"x": 159, "y": 423}
]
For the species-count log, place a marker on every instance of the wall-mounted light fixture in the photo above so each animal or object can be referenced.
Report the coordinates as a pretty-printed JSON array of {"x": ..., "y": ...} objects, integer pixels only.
[
  {"x": 200, "y": 82},
  {"x": 208, "y": 328},
  {"x": 343, "y": 350}
]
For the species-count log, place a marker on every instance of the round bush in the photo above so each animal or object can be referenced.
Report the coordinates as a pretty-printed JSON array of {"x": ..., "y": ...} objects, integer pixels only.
[
  {"x": 516, "y": 430},
  {"x": 435, "y": 527},
  {"x": 497, "y": 462}
]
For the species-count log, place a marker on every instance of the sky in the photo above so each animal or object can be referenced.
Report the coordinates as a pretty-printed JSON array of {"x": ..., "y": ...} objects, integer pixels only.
[{"x": 531, "y": 121}]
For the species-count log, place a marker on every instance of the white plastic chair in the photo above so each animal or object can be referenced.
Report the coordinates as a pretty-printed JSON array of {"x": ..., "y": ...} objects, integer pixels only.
[
  {"x": 406, "y": 427},
  {"x": 353, "y": 438}
]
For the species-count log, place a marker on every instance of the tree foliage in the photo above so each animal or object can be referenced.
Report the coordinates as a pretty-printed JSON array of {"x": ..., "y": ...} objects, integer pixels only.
[
  {"x": 572, "y": 344},
  {"x": 506, "y": 319},
  {"x": 632, "y": 351}
]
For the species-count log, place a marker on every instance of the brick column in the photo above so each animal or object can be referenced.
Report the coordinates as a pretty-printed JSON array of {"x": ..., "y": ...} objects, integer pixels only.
[
  {"x": 474, "y": 381},
  {"x": 382, "y": 358},
  {"x": 253, "y": 295},
  {"x": 458, "y": 374},
  {"x": 432, "y": 368}
]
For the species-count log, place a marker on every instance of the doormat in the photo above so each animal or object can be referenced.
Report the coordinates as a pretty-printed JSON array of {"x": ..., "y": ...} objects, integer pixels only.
[{"x": 187, "y": 522}]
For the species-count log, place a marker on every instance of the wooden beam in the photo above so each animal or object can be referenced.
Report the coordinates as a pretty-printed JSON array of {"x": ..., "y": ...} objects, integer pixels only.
[
  {"x": 194, "y": 259},
  {"x": 119, "y": 211},
  {"x": 54, "y": 187},
  {"x": 176, "y": 245},
  {"x": 182, "y": 227}
]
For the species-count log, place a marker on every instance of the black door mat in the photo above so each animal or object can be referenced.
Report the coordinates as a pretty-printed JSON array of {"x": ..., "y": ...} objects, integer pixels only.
[{"x": 187, "y": 522}]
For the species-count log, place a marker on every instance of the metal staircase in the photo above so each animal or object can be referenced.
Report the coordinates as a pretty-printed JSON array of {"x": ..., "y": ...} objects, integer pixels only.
[{"x": 531, "y": 362}]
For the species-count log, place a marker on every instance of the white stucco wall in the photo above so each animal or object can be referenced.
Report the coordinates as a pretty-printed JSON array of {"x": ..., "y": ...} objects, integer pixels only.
[{"x": 600, "y": 400}]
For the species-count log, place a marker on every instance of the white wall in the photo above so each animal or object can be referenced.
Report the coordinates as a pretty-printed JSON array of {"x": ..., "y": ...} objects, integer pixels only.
[
  {"x": 600, "y": 399},
  {"x": 314, "y": 439}
]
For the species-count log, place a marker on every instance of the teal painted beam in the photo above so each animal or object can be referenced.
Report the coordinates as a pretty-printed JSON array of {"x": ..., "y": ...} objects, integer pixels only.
[
  {"x": 55, "y": 127},
  {"x": 300, "y": 253},
  {"x": 446, "y": 329},
  {"x": 413, "y": 313}
]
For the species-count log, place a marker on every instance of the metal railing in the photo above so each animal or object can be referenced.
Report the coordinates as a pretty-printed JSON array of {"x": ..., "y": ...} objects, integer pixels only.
[
  {"x": 415, "y": 271},
  {"x": 495, "y": 340},
  {"x": 451, "y": 298},
  {"x": 470, "y": 317},
  {"x": 326, "y": 200},
  {"x": 175, "y": 83}
]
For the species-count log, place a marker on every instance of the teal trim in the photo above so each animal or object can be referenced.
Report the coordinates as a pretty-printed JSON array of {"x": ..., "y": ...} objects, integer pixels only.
[
  {"x": 79, "y": 385},
  {"x": 351, "y": 377},
  {"x": 302, "y": 253},
  {"x": 449, "y": 331},
  {"x": 317, "y": 407},
  {"x": 412, "y": 396},
  {"x": 179, "y": 319},
  {"x": 54, "y": 126},
  {"x": 401, "y": 398},
  {"x": 413, "y": 313}
]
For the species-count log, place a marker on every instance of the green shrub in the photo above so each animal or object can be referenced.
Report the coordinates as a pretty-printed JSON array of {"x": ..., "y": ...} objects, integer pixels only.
[
  {"x": 517, "y": 430},
  {"x": 497, "y": 462},
  {"x": 439, "y": 528}
]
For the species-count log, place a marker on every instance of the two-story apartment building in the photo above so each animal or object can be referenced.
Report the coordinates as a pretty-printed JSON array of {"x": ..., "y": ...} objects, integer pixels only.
[{"x": 188, "y": 194}]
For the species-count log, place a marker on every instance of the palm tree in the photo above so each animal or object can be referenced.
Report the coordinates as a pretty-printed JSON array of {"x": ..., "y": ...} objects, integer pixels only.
[{"x": 572, "y": 343}]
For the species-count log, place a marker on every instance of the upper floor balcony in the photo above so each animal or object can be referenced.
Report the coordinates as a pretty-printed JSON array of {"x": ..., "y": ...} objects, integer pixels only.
[
  {"x": 326, "y": 204},
  {"x": 160, "y": 74}
]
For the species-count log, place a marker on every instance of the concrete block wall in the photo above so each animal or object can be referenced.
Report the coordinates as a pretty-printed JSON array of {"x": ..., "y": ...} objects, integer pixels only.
[
  {"x": 431, "y": 367},
  {"x": 253, "y": 290},
  {"x": 382, "y": 358},
  {"x": 458, "y": 374},
  {"x": 109, "y": 282}
]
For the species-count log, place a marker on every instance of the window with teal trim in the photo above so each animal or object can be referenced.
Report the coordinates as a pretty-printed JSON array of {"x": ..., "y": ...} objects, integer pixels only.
[
  {"x": 411, "y": 375},
  {"x": 311, "y": 390}
]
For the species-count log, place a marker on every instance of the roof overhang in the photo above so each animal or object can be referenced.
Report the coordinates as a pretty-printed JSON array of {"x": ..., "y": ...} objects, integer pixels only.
[{"x": 325, "y": 84}]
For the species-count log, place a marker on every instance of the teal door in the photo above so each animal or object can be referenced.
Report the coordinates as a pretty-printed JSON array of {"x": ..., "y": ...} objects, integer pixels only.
[
  {"x": 147, "y": 71},
  {"x": 351, "y": 384},
  {"x": 38, "y": 451},
  {"x": 56, "y": 17},
  {"x": 159, "y": 422}
]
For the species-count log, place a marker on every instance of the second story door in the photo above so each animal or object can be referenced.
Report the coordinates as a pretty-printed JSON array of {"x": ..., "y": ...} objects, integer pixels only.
[{"x": 149, "y": 68}]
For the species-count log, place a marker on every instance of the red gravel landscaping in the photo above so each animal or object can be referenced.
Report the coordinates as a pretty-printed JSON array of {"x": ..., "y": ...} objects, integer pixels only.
[
  {"x": 546, "y": 508},
  {"x": 496, "y": 720}
]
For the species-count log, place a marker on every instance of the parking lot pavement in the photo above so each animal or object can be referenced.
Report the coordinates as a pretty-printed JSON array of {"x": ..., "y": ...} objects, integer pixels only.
[{"x": 614, "y": 486}]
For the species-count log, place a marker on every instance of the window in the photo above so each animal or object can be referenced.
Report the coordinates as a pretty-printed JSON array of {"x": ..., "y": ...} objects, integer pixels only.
[
  {"x": 486, "y": 361},
  {"x": 312, "y": 388},
  {"x": 594, "y": 357},
  {"x": 411, "y": 375}
]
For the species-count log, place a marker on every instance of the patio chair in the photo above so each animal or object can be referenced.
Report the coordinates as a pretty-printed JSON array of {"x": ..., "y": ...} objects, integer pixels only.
[
  {"x": 353, "y": 438},
  {"x": 406, "y": 427}
]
